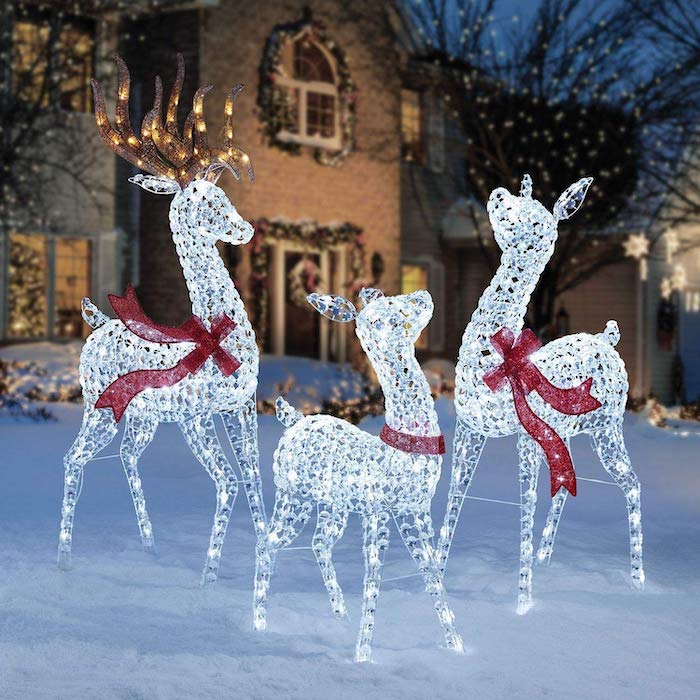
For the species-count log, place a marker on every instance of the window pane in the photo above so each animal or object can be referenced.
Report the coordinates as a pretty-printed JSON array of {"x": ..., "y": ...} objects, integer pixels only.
[
  {"x": 320, "y": 115},
  {"x": 413, "y": 279},
  {"x": 411, "y": 133},
  {"x": 73, "y": 52},
  {"x": 75, "y": 58},
  {"x": 310, "y": 63},
  {"x": 27, "y": 289},
  {"x": 29, "y": 65},
  {"x": 72, "y": 284}
]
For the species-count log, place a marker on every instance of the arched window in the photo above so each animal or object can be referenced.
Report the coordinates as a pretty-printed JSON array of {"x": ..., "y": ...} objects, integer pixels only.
[{"x": 307, "y": 73}]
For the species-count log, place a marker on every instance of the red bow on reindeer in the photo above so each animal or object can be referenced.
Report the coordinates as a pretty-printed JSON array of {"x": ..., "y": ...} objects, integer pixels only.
[
  {"x": 518, "y": 370},
  {"x": 121, "y": 391}
]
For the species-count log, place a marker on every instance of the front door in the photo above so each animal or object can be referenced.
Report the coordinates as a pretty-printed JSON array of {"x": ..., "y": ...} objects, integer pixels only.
[{"x": 302, "y": 324}]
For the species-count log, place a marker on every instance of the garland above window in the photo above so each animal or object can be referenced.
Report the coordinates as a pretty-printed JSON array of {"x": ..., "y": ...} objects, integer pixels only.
[
  {"x": 310, "y": 236},
  {"x": 284, "y": 109}
]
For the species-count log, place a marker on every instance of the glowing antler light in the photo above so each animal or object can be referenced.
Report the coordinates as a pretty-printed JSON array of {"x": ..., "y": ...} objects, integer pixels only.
[{"x": 163, "y": 150}]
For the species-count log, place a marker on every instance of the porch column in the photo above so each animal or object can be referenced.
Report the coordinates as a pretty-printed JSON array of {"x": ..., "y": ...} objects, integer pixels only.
[
  {"x": 341, "y": 282},
  {"x": 325, "y": 323},
  {"x": 276, "y": 291}
]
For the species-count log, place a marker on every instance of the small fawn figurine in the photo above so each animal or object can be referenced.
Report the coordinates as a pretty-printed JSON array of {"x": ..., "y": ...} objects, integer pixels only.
[
  {"x": 151, "y": 374},
  {"x": 326, "y": 462},
  {"x": 505, "y": 386}
]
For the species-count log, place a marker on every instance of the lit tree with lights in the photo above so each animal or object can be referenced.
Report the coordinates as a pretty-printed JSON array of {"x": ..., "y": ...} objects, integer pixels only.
[{"x": 575, "y": 89}]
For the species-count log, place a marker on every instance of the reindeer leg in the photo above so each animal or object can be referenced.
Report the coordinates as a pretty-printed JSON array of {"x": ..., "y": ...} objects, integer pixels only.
[
  {"x": 468, "y": 446},
  {"x": 242, "y": 431},
  {"x": 610, "y": 446},
  {"x": 96, "y": 432},
  {"x": 544, "y": 553},
  {"x": 416, "y": 530},
  {"x": 138, "y": 433},
  {"x": 202, "y": 439},
  {"x": 375, "y": 544},
  {"x": 330, "y": 527},
  {"x": 529, "y": 466},
  {"x": 289, "y": 517}
]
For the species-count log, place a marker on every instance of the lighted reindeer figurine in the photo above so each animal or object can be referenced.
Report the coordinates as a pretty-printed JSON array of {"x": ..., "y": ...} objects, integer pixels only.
[
  {"x": 209, "y": 365},
  {"x": 576, "y": 384},
  {"x": 326, "y": 462}
]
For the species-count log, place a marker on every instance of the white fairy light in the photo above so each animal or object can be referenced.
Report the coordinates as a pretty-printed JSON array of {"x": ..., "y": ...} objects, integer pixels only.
[
  {"x": 153, "y": 374},
  {"x": 679, "y": 278},
  {"x": 526, "y": 233},
  {"x": 341, "y": 469}
]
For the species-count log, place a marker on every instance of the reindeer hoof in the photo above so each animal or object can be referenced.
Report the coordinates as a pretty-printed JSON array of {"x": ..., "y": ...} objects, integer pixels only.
[
  {"x": 363, "y": 654},
  {"x": 64, "y": 563},
  {"x": 259, "y": 619},
  {"x": 524, "y": 606}
]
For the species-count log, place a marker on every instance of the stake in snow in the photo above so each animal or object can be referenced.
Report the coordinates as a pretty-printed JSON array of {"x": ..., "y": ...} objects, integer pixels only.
[
  {"x": 155, "y": 374},
  {"x": 576, "y": 384},
  {"x": 328, "y": 463}
]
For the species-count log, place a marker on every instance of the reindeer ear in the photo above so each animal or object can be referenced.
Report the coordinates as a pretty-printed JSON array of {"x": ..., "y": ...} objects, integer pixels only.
[
  {"x": 332, "y": 306},
  {"x": 571, "y": 199},
  {"x": 368, "y": 294},
  {"x": 155, "y": 184}
]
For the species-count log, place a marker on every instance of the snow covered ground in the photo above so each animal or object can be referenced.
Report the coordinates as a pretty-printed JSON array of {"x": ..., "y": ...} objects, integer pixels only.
[{"x": 123, "y": 624}]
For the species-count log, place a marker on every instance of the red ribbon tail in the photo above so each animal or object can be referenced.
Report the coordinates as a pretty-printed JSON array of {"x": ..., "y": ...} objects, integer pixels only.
[
  {"x": 561, "y": 468},
  {"x": 119, "y": 394}
]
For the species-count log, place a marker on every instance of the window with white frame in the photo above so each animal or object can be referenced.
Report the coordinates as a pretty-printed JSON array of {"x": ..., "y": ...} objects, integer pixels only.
[
  {"x": 309, "y": 77},
  {"x": 47, "y": 277}
]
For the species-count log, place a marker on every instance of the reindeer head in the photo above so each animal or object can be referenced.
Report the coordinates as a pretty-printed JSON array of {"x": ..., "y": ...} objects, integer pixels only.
[
  {"x": 522, "y": 227},
  {"x": 384, "y": 324},
  {"x": 180, "y": 163}
]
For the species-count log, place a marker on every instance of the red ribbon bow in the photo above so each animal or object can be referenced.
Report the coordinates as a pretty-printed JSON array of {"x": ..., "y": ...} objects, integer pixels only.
[
  {"x": 518, "y": 370},
  {"x": 413, "y": 444},
  {"x": 121, "y": 391}
]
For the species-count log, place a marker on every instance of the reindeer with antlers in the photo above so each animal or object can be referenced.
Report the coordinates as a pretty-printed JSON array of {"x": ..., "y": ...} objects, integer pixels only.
[{"x": 208, "y": 365}]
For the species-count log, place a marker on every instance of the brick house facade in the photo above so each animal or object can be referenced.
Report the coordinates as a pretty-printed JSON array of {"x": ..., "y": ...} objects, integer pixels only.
[{"x": 396, "y": 191}]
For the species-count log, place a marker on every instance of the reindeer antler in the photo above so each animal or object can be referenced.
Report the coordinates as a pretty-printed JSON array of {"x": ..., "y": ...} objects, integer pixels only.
[{"x": 162, "y": 150}]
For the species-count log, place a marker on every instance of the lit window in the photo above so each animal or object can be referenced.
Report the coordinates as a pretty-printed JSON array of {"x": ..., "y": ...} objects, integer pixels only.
[
  {"x": 43, "y": 268},
  {"x": 73, "y": 55},
  {"x": 28, "y": 284},
  {"x": 72, "y": 283},
  {"x": 411, "y": 132},
  {"x": 309, "y": 80},
  {"x": 413, "y": 279}
]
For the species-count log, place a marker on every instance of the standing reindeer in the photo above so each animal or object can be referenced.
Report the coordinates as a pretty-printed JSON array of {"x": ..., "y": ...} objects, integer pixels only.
[
  {"x": 327, "y": 462},
  {"x": 586, "y": 364},
  {"x": 207, "y": 366}
]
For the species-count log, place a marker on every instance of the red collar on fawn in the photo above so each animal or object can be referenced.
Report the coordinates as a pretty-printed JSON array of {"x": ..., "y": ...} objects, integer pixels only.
[{"x": 413, "y": 444}]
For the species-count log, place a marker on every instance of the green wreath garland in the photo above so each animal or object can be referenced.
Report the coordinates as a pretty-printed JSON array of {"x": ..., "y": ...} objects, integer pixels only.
[
  {"x": 273, "y": 100},
  {"x": 307, "y": 234}
]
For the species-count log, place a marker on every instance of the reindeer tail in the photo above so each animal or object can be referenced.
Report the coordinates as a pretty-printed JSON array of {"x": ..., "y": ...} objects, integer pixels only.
[
  {"x": 611, "y": 334},
  {"x": 91, "y": 314},
  {"x": 286, "y": 413}
]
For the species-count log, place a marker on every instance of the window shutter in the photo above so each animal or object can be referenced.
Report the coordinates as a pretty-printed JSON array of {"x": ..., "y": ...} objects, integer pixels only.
[{"x": 435, "y": 134}]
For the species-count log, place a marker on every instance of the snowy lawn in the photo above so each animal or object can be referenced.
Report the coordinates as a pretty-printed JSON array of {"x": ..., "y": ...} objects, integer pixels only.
[{"x": 123, "y": 624}]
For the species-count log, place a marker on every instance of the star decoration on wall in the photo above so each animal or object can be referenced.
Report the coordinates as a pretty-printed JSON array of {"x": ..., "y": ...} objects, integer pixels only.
[{"x": 636, "y": 246}]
